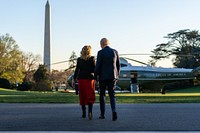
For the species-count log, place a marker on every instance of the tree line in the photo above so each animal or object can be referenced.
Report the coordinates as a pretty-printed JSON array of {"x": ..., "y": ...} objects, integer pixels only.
[{"x": 25, "y": 69}]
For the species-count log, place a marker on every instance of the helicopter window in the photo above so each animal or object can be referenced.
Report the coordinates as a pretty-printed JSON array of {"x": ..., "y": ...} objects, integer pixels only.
[
  {"x": 123, "y": 65},
  {"x": 139, "y": 75},
  {"x": 168, "y": 74},
  {"x": 158, "y": 74},
  {"x": 124, "y": 75}
]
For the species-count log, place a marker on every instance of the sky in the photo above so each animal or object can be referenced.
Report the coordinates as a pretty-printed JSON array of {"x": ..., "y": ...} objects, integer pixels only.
[{"x": 132, "y": 26}]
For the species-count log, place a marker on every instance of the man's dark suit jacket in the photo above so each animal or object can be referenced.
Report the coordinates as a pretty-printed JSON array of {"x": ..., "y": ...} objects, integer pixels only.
[{"x": 107, "y": 64}]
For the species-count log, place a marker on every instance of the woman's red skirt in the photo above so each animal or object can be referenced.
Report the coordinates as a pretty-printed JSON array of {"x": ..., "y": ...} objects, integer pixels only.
[{"x": 86, "y": 89}]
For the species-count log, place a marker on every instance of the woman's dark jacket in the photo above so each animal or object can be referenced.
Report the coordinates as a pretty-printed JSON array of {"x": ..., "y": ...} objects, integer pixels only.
[{"x": 85, "y": 68}]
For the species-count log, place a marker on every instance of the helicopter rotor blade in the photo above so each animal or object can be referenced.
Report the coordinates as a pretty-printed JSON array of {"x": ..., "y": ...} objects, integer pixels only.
[
  {"x": 136, "y": 61},
  {"x": 134, "y": 54},
  {"x": 70, "y": 68},
  {"x": 62, "y": 61}
]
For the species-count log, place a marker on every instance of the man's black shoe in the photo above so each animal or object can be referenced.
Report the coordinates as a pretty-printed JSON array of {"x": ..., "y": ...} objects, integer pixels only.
[
  {"x": 114, "y": 118},
  {"x": 101, "y": 117}
]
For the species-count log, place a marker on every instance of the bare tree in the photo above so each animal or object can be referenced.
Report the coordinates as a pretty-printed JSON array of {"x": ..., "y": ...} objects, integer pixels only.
[{"x": 30, "y": 62}]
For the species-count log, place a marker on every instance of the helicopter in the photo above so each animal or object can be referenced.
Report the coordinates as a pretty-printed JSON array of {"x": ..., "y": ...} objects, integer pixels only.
[
  {"x": 149, "y": 79},
  {"x": 153, "y": 79}
]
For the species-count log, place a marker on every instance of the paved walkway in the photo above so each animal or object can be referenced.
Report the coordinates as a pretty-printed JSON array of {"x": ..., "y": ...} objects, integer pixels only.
[{"x": 132, "y": 117}]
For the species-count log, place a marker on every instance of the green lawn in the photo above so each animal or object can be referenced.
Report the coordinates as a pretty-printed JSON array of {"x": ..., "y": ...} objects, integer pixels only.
[
  {"x": 189, "y": 95},
  {"x": 12, "y": 96}
]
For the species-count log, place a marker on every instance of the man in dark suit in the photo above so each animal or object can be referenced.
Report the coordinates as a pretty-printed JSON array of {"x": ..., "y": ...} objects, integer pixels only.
[{"x": 107, "y": 72}]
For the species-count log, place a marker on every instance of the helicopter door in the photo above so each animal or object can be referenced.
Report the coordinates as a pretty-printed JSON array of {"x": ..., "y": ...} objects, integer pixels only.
[{"x": 134, "y": 88}]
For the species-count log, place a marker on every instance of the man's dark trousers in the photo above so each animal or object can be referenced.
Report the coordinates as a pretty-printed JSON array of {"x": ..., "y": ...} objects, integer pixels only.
[{"x": 109, "y": 85}]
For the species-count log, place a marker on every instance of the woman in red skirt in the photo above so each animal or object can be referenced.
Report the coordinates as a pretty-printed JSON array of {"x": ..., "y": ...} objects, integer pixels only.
[{"x": 84, "y": 73}]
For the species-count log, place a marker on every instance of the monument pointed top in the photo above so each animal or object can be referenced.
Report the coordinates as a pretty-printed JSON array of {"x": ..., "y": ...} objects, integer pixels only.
[{"x": 48, "y": 2}]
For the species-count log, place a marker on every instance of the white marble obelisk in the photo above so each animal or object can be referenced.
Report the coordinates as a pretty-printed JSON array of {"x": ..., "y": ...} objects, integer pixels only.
[{"x": 47, "y": 36}]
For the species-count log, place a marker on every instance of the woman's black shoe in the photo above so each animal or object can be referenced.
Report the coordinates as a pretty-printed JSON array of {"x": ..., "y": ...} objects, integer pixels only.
[
  {"x": 90, "y": 115},
  {"x": 83, "y": 111},
  {"x": 83, "y": 114}
]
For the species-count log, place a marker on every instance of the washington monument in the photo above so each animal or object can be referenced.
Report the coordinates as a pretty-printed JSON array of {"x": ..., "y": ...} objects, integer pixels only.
[{"x": 47, "y": 36}]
